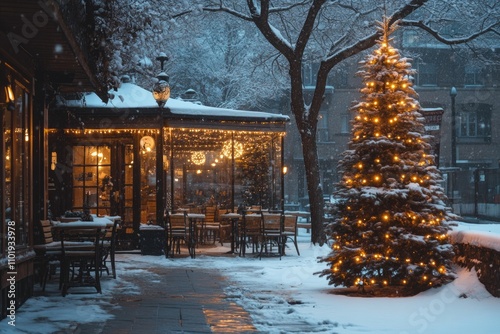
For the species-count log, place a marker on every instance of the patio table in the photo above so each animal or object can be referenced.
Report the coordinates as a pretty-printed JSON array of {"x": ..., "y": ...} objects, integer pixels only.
[
  {"x": 233, "y": 218},
  {"x": 84, "y": 251}
]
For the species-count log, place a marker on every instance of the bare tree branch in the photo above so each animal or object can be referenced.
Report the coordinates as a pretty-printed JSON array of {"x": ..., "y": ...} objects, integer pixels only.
[
  {"x": 228, "y": 10},
  {"x": 286, "y": 8},
  {"x": 406, "y": 10},
  {"x": 355, "y": 48},
  {"x": 261, "y": 20},
  {"x": 370, "y": 40},
  {"x": 449, "y": 41},
  {"x": 221, "y": 8},
  {"x": 307, "y": 28}
]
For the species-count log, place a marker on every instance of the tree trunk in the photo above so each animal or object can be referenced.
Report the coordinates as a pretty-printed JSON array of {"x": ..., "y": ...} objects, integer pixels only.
[
  {"x": 314, "y": 189},
  {"x": 306, "y": 120}
]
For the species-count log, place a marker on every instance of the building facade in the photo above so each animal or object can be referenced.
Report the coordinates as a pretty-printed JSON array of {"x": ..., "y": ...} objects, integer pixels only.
[{"x": 40, "y": 56}]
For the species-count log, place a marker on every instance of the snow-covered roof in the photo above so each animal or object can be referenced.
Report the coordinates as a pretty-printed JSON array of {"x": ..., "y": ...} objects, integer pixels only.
[{"x": 129, "y": 95}]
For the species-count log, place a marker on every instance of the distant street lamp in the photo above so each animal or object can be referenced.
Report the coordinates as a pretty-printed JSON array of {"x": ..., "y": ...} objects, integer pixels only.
[
  {"x": 453, "y": 94},
  {"x": 161, "y": 89},
  {"x": 284, "y": 170}
]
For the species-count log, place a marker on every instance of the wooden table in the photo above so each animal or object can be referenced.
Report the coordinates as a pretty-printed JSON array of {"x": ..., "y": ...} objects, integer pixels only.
[
  {"x": 84, "y": 253},
  {"x": 97, "y": 222},
  {"x": 112, "y": 218}
]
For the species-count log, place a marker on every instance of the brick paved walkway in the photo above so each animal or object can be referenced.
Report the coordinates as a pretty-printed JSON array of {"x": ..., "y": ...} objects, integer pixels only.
[{"x": 177, "y": 300}]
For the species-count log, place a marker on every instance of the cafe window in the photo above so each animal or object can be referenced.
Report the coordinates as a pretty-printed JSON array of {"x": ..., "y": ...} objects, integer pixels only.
[
  {"x": 17, "y": 164},
  {"x": 223, "y": 168},
  {"x": 92, "y": 180}
]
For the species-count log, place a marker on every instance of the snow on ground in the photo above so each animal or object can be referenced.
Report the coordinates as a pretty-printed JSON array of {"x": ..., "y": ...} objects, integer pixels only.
[{"x": 282, "y": 295}]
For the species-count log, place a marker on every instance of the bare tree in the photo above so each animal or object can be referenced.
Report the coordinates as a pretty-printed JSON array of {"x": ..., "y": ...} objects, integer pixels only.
[
  {"x": 333, "y": 31},
  {"x": 214, "y": 60}
]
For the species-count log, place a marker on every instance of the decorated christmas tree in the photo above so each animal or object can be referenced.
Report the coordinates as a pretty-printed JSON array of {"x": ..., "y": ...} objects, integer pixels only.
[{"x": 391, "y": 227}]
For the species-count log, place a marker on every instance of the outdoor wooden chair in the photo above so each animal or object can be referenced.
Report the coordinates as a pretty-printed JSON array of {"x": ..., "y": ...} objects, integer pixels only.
[
  {"x": 211, "y": 224},
  {"x": 250, "y": 233},
  {"x": 179, "y": 230},
  {"x": 108, "y": 249},
  {"x": 272, "y": 234},
  {"x": 290, "y": 231},
  {"x": 48, "y": 253}
]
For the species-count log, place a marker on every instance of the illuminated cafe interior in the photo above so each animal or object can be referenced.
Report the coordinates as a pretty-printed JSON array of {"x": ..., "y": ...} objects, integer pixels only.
[{"x": 133, "y": 159}]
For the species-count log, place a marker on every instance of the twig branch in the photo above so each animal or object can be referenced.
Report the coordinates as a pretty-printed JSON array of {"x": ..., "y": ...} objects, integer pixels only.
[{"x": 449, "y": 41}]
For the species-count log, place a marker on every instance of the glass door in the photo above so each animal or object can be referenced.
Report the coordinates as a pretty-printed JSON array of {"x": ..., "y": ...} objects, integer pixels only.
[
  {"x": 147, "y": 155},
  {"x": 126, "y": 210},
  {"x": 92, "y": 180}
]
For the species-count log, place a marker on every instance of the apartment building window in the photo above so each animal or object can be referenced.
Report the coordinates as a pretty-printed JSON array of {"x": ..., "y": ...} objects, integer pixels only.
[
  {"x": 307, "y": 77},
  {"x": 426, "y": 74},
  {"x": 473, "y": 75},
  {"x": 322, "y": 132},
  {"x": 475, "y": 121},
  {"x": 344, "y": 124},
  {"x": 309, "y": 74}
]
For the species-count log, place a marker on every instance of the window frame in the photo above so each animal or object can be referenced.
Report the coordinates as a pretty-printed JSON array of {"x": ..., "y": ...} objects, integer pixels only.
[{"x": 474, "y": 123}]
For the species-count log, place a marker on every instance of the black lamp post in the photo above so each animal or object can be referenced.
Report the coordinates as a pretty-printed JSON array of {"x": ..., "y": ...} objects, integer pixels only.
[
  {"x": 161, "y": 89},
  {"x": 284, "y": 170},
  {"x": 453, "y": 94}
]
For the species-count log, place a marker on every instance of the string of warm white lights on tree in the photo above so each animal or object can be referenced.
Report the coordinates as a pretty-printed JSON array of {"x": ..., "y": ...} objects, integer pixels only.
[{"x": 390, "y": 225}]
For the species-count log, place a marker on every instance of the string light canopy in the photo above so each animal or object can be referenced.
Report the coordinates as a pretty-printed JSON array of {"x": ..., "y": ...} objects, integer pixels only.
[{"x": 161, "y": 89}]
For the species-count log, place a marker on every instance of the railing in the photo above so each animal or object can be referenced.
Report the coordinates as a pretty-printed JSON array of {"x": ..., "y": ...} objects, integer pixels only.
[{"x": 474, "y": 192}]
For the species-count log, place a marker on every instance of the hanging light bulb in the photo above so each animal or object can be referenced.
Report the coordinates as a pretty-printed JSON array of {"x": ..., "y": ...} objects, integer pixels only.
[{"x": 53, "y": 161}]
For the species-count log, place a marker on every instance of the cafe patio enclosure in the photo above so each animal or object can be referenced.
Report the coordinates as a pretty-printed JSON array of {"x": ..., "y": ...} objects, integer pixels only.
[{"x": 140, "y": 162}]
